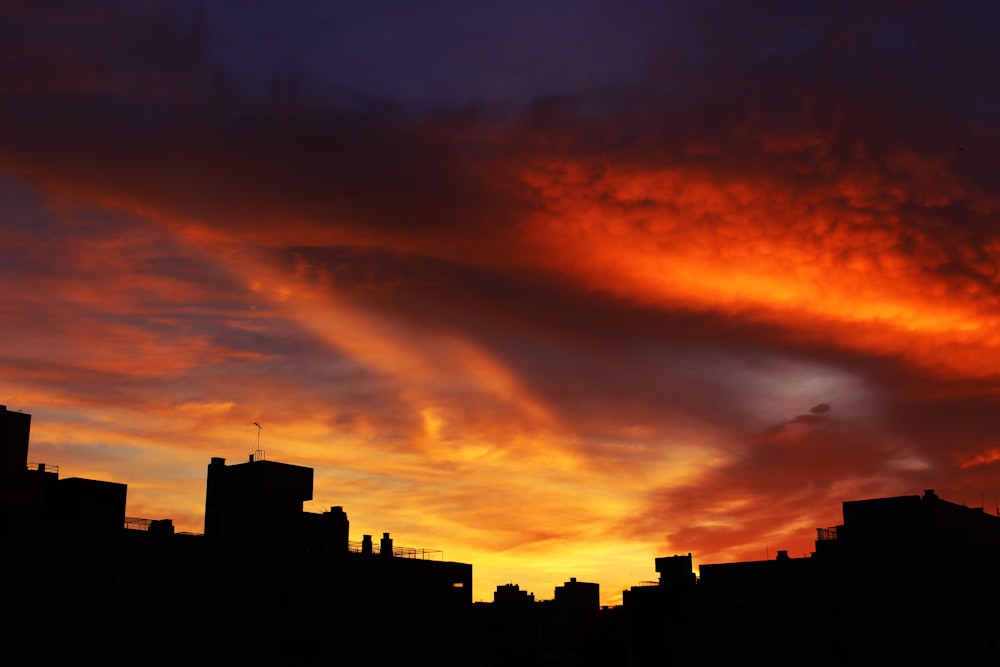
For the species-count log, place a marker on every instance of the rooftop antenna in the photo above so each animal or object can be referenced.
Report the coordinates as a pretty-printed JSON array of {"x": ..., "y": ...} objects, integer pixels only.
[
  {"x": 995, "y": 503},
  {"x": 258, "y": 454}
]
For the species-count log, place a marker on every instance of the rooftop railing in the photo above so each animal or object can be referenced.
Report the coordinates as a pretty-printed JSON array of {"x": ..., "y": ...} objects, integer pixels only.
[
  {"x": 134, "y": 523},
  {"x": 399, "y": 552}
]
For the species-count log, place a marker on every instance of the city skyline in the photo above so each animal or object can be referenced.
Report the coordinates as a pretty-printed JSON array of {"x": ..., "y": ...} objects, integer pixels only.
[{"x": 554, "y": 288}]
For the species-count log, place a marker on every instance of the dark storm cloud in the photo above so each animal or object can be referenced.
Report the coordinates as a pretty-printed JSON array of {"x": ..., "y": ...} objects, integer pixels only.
[
  {"x": 815, "y": 101},
  {"x": 801, "y": 117}
]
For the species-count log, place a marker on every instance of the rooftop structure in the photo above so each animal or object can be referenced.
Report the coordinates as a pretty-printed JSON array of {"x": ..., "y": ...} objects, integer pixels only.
[
  {"x": 267, "y": 583},
  {"x": 901, "y": 581}
]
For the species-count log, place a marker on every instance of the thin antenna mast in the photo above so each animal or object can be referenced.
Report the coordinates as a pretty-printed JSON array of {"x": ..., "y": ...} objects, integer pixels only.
[{"x": 258, "y": 454}]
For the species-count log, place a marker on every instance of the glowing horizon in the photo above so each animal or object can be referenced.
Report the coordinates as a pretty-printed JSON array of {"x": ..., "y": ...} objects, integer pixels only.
[{"x": 631, "y": 291}]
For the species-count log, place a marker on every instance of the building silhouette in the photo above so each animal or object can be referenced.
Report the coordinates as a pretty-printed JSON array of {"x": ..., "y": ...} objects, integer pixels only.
[
  {"x": 507, "y": 629},
  {"x": 516, "y": 629},
  {"x": 267, "y": 583},
  {"x": 904, "y": 580},
  {"x": 909, "y": 580},
  {"x": 660, "y": 618}
]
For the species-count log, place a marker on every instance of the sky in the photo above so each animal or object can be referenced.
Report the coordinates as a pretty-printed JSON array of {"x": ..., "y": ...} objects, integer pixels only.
[{"x": 554, "y": 287}]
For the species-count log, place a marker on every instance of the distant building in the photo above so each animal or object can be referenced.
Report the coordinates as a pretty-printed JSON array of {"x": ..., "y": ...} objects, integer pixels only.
[
  {"x": 506, "y": 631},
  {"x": 570, "y": 629},
  {"x": 511, "y": 595},
  {"x": 266, "y": 584},
  {"x": 910, "y": 580}
]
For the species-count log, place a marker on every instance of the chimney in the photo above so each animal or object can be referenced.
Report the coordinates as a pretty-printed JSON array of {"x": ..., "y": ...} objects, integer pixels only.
[
  {"x": 366, "y": 544},
  {"x": 385, "y": 547},
  {"x": 214, "y": 497},
  {"x": 338, "y": 527}
]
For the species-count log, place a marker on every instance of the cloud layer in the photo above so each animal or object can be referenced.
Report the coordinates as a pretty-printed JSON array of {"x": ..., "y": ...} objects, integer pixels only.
[{"x": 684, "y": 296}]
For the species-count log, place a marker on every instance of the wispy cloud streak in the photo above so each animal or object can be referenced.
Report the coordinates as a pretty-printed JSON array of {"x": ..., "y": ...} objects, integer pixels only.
[{"x": 743, "y": 270}]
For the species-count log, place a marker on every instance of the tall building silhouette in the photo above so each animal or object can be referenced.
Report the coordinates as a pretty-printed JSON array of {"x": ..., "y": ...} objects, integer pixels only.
[
  {"x": 267, "y": 583},
  {"x": 908, "y": 580},
  {"x": 904, "y": 580}
]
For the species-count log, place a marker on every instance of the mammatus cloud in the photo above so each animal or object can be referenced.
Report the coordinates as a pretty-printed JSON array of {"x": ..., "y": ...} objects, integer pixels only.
[{"x": 690, "y": 309}]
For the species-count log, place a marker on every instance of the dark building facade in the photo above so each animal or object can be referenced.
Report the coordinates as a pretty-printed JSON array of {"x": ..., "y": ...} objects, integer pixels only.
[
  {"x": 660, "y": 618},
  {"x": 267, "y": 583},
  {"x": 909, "y": 580},
  {"x": 568, "y": 630}
]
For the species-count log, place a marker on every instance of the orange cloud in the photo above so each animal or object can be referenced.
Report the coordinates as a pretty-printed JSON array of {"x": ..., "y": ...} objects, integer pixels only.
[{"x": 558, "y": 341}]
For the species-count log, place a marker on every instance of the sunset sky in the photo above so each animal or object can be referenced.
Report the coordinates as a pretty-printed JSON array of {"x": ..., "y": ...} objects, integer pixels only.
[{"x": 555, "y": 287}]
